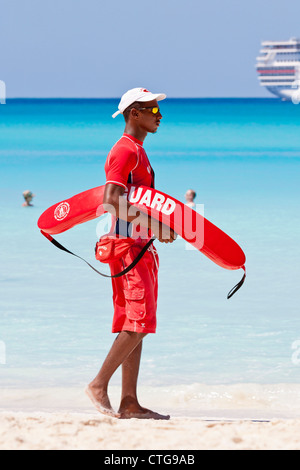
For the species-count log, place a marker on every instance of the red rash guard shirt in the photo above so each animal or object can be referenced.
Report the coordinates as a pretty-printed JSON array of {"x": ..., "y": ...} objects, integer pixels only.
[{"x": 127, "y": 163}]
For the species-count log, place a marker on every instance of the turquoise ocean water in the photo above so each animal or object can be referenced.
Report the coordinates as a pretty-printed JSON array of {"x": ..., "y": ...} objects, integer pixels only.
[{"x": 242, "y": 156}]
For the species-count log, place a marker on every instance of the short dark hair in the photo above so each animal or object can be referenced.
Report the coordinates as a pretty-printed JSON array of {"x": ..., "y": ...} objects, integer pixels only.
[{"x": 126, "y": 112}]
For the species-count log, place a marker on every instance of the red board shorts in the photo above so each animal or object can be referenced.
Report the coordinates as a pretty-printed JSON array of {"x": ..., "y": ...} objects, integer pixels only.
[{"x": 134, "y": 293}]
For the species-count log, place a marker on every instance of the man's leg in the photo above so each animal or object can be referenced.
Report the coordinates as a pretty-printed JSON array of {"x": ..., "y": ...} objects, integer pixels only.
[
  {"x": 130, "y": 372},
  {"x": 122, "y": 347},
  {"x": 130, "y": 407}
]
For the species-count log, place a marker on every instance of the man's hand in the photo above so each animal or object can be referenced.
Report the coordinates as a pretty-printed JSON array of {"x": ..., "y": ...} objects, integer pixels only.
[
  {"x": 116, "y": 204},
  {"x": 164, "y": 234}
]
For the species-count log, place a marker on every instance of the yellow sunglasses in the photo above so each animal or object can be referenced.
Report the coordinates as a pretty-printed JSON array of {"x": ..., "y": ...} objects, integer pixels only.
[{"x": 154, "y": 109}]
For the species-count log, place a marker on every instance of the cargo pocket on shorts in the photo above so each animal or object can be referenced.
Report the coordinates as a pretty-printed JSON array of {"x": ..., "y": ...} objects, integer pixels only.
[{"x": 135, "y": 303}]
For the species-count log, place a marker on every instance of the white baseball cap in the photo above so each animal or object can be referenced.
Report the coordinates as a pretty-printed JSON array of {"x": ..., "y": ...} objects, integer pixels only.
[{"x": 137, "y": 94}]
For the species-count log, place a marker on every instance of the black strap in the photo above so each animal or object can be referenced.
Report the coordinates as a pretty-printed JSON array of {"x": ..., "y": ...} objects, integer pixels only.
[
  {"x": 134, "y": 263},
  {"x": 237, "y": 286},
  {"x": 126, "y": 270}
]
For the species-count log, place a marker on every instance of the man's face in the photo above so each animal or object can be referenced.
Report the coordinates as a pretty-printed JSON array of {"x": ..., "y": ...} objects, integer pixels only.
[{"x": 147, "y": 120}]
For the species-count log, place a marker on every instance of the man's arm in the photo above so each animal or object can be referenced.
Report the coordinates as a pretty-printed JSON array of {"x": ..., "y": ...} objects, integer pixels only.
[{"x": 117, "y": 205}]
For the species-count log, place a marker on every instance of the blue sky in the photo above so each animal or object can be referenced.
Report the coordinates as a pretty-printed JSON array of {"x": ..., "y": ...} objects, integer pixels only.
[{"x": 95, "y": 48}]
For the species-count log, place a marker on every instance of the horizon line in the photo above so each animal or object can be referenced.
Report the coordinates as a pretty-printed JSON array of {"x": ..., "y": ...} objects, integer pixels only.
[{"x": 118, "y": 98}]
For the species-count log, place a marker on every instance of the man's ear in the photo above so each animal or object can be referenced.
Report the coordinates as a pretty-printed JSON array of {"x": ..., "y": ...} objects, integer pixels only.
[{"x": 134, "y": 113}]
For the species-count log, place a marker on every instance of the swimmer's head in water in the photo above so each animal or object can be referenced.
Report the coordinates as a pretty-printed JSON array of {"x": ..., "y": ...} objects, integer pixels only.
[
  {"x": 190, "y": 195},
  {"x": 28, "y": 196}
]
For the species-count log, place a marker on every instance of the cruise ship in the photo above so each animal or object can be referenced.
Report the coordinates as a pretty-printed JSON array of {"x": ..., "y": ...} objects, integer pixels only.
[{"x": 278, "y": 68}]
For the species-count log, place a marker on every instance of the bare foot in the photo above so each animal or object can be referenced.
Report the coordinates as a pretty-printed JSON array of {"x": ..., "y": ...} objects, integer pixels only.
[
  {"x": 130, "y": 408},
  {"x": 101, "y": 402},
  {"x": 143, "y": 413}
]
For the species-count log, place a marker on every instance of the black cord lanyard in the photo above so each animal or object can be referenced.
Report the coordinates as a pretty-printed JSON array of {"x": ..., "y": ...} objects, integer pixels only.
[
  {"x": 134, "y": 263},
  {"x": 126, "y": 270}
]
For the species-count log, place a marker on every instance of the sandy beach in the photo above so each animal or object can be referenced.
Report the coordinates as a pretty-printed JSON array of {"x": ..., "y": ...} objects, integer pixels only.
[
  {"x": 64, "y": 419},
  {"x": 71, "y": 431}
]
